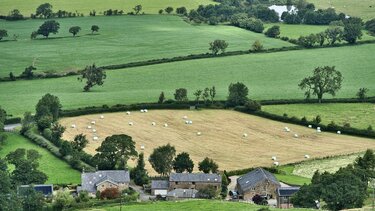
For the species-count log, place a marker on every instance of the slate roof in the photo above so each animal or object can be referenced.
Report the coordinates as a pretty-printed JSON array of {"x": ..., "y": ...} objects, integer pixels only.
[
  {"x": 287, "y": 191},
  {"x": 183, "y": 193},
  {"x": 195, "y": 177},
  {"x": 89, "y": 180},
  {"x": 159, "y": 184},
  {"x": 250, "y": 179}
]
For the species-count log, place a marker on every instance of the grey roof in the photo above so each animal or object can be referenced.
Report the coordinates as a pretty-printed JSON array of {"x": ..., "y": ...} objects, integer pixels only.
[
  {"x": 159, "y": 184},
  {"x": 287, "y": 191},
  {"x": 252, "y": 178},
  {"x": 183, "y": 193},
  {"x": 195, "y": 177},
  {"x": 91, "y": 179}
]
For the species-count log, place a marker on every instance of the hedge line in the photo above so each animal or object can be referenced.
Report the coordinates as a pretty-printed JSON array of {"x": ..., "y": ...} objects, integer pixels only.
[
  {"x": 13, "y": 120},
  {"x": 313, "y": 101}
]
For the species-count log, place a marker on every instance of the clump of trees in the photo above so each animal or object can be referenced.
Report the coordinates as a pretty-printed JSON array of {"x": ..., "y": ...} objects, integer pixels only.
[
  {"x": 14, "y": 15},
  {"x": 111, "y": 12},
  {"x": 94, "y": 28},
  {"x": 161, "y": 159},
  {"x": 273, "y": 32},
  {"x": 168, "y": 10},
  {"x": 47, "y": 28},
  {"x": 181, "y": 95},
  {"x": 47, "y": 111},
  {"x": 74, "y": 30},
  {"x": 3, "y": 33},
  {"x": 218, "y": 45},
  {"x": 243, "y": 21},
  {"x": 370, "y": 26},
  {"x": 325, "y": 80},
  {"x": 237, "y": 94},
  {"x": 208, "y": 165},
  {"x": 93, "y": 76}
]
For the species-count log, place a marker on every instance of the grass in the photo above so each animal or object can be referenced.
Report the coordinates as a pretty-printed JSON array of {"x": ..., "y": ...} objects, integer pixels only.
[
  {"x": 294, "y": 31},
  {"x": 333, "y": 164},
  {"x": 268, "y": 76},
  {"x": 121, "y": 39},
  {"x": 83, "y": 6},
  {"x": 207, "y": 205},
  {"x": 58, "y": 171},
  {"x": 350, "y": 7},
  {"x": 288, "y": 177},
  {"x": 358, "y": 115},
  {"x": 221, "y": 137}
]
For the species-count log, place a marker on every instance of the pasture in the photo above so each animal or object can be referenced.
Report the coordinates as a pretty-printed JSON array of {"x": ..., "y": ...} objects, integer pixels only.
[
  {"x": 221, "y": 137},
  {"x": 358, "y": 115},
  {"x": 364, "y": 9},
  {"x": 294, "y": 31},
  {"x": 83, "y": 6},
  {"x": 58, "y": 171},
  {"x": 268, "y": 76},
  {"x": 121, "y": 39}
]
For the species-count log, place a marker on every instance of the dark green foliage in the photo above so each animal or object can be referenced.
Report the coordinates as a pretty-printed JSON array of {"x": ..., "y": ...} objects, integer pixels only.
[
  {"x": 14, "y": 15},
  {"x": 28, "y": 72},
  {"x": 324, "y": 80},
  {"x": 161, "y": 11},
  {"x": 352, "y": 32},
  {"x": 181, "y": 11},
  {"x": 83, "y": 196},
  {"x": 66, "y": 148},
  {"x": 47, "y": 111},
  {"x": 94, "y": 28},
  {"x": 93, "y": 75},
  {"x": 57, "y": 131},
  {"x": 3, "y": 33},
  {"x": 361, "y": 94},
  {"x": 212, "y": 93},
  {"x": 32, "y": 199},
  {"x": 318, "y": 119},
  {"x": 308, "y": 41},
  {"x": 320, "y": 38},
  {"x": 80, "y": 141},
  {"x": 257, "y": 199},
  {"x": 12, "y": 77},
  {"x": 264, "y": 209},
  {"x": 137, "y": 9},
  {"x": 161, "y": 98},
  {"x": 139, "y": 173},
  {"x": 273, "y": 32},
  {"x": 180, "y": 95},
  {"x": 44, "y": 10},
  {"x": 366, "y": 163},
  {"x": 44, "y": 122},
  {"x": 161, "y": 159},
  {"x": 114, "y": 152},
  {"x": 264, "y": 13},
  {"x": 252, "y": 106},
  {"x": 218, "y": 45},
  {"x": 62, "y": 200},
  {"x": 208, "y": 165},
  {"x": 257, "y": 46},
  {"x": 209, "y": 192},
  {"x": 243, "y": 21},
  {"x": 49, "y": 27},
  {"x": 370, "y": 26},
  {"x": 213, "y": 21},
  {"x": 74, "y": 30},
  {"x": 168, "y": 10},
  {"x": 27, "y": 122},
  {"x": 183, "y": 163},
  {"x": 291, "y": 18},
  {"x": 333, "y": 34},
  {"x": 2, "y": 118},
  {"x": 237, "y": 94}
]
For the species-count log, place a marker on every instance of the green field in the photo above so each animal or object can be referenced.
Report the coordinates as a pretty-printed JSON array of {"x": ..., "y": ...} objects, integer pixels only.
[
  {"x": 268, "y": 76},
  {"x": 288, "y": 176},
  {"x": 358, "y": 115},
  {"x": 121, "y": 39},
  {"x": 206, "y": 205},
  {"x": 58, "y": 171},
  {"x": 294, "y": 31},
  {"x": 350, "y": 7},
  {"x": 85, "y": 6}
]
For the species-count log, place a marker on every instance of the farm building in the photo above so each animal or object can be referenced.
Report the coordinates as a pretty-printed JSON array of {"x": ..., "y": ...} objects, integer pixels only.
[
  {"x": 46, "y": 190},
  {"x": 283, "y": 195},
  {"x": 182, "y": 194},
  {"x": 101, "y": 180},
  {"x": 195, "y": 181},
  {"x": 257, "y": 182},
  {"x": 159, "y": 187}
]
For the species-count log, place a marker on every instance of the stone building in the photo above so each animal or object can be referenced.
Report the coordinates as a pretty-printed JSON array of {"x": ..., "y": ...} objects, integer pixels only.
[{"x": 195, "y": 181}]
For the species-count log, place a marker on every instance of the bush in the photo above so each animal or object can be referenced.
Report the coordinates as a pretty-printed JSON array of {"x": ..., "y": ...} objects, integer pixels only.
[
  {"x": 257, "y": 199},
  {"x": 252, "y": 106},
  {"x": 274, "y": 31},
  {"x": 110, "y": 193},
  {"x": 207, "y": 193}
]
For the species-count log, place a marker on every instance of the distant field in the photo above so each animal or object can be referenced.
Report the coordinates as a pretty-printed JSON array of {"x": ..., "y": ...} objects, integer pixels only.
[
  {"x": 121, "y": 39},
  {"x": 85, "y": 6},
  {"x": 358, "y": 115},
  {"x": 207, "y": 205},
  {"x": 307, "y": 169},
  {"x": 58, "y": 171},
  {"x": 268, "y": 76},
  {"x": 221, "y": 137},
  {"x": 359, "y": 8},
  {"x": 296, "y": 30}
]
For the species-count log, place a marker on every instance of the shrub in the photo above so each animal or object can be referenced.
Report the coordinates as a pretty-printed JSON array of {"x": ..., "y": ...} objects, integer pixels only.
[
  {"x": 257, "y": 46},
  {"x": 83, "y": 196},
  {"x": 252, "y": 105},
  {"x": 318, "y": 119},
  {"x": 274, "y": 31},
  {"x": 47, "y": 133},
  {"x": 369, "y": 128},
  {"x": 303, "y": 119},
  {"x": 110, "y": 193},
  {"x": 207, "y": 193},
  {"x": 284, "y": 38}
]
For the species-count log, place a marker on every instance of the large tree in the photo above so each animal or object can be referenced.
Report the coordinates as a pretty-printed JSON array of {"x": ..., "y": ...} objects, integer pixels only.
[
  {"x": 115, "y": 151},
  {"x": 168, "y": 10},
  {"x": 48, "y": 27},
  {"x": 80, "y": 141},
  {"x": 93, "y": 75},
  {"x": 94, "y": 28},
  {"x": 274, "y": 31},
  {"x": 333, "y": 34},
  {"x": 139, "y": 173},
  {"x": 47, "y": 111},
  {"x": 237, "y": 94},
  {"x": 208, "y": 165},
  {"x": 183, "y": 163},
  {"x": 325, "y": 80},
  {"x": 181, "y": 94},
  {"x": 161, "y": 159},
  {"x": 3, "y": 33},
  {"x": 44, "y": 10},
  {"x": 218, "y": 45},
  {"x": 74, "y": 30},
  {"x": 352, "y": 32}
]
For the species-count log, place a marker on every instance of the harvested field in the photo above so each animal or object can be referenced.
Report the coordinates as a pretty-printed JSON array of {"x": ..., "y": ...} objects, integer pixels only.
[{"x": 221, "y": 139}]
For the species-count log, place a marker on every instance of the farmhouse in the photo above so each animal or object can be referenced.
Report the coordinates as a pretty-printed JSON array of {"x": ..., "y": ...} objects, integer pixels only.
[
  {"x": 101, "y": 180},
  {"x": 257, "y": 182},
  {"x": 195, "y": 181},
  {"x": 159, "y": 187},
  {"x": 283, "y": 195}
]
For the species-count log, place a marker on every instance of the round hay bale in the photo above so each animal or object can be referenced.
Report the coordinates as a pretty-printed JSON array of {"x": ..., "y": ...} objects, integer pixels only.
[
  {"x": 145, "y": 110},
  {"x": 165, "y": 125},
  {"x": 185, "y": 117},
  {"x": 142, "y": 147},
  {"x": 128, "y": 113},
  {"x": 307, "y": 156},
  {"x": 199, "y": 133},
  {"x": 153, "y": 123},
  {"x": 338, "y": 132},
  {"x": 73, "y": 126},
  {"x": 187, "y": 122},
  {"x": 295, "y": 135},
  {"x": 89, "y": 127},
  {"x": 130, "y": 123},
  {"x": 190, "y": 122},
  {"x": 319, "y": 131},
  {"x": 101, "y": 117},
  {"x": 93, "y": 130},
  {"x": 95, "y": 138},
  {"x": 276, "y": 163},
  {"x": 318, "y": 128},
  {"x": 142, "y": 110},
  {"x": 274, "y": 158},
  {"x": 244, "y": 135},
  {"x": 93, "y": 122},
  {"x": 310, "y": 126}
]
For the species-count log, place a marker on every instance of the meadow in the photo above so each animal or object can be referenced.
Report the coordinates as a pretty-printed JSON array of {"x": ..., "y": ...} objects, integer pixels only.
[
  {"x": 221, "y": 137},
  {"x": 84, "y": 6},
  {"x": 207, "y": 205},
  {"x": 268, "y": 76},
  {"x": 121, "y": 39},
  {"x": 58, "y": 171},
  {"x": 358, "y": 115}
]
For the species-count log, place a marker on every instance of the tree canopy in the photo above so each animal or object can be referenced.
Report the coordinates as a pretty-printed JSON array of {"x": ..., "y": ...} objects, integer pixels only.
[
  {"x": 3, "y": 33},
  {"x": 44, "y": 10},
  {"x": 74, "y": 30},
  {"x": 218, "y": 45},
  {"x": 93, "y": 75},
  {"x": 208, "y": 165},
  {"x": 183, "y": 163},
  {"x": 237, "y": 94},
  {"x": 48, "y": 27},
  {"x": 161, "y": 159}
]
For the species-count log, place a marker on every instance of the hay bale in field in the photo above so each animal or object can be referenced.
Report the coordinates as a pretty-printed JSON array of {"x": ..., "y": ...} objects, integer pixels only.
[
  {"x": 73, "y": 126},
  {"x": 128, "y": 113},
  {"x": 130, "y": 123},
  {"x": 318, "y": 128},
  {"x": 93, "y": 130},
  {"x": 190, "y": 122},
  {"x": 199, "y": 133},
  {"x": 244, "y": 135},
  {"x": 145, "y": 110},
  {"x": 93, "y": 122},
  {"x": 307, "y": 156},
  {"x": 142, "y": 147},
  {"x": 319, "y": 131},
  {"x": 89, "y": 127},
  {"x": 296, "y": 135},
  {"x": 276, "y": 163},
  {"x": 101, "y": 117},
  {"x": 142, "y": 111},
  {"x": 187, "y": 122},
  {"x": 95, "y": 138},
  {"x": 274, "y": 158},
  {"x": 165, "y": 125},
  {"x": 153, "y": 123},
  {"x": 310, "y": 126},
  {"x": 338, "y": 132},
  {"x": 185, "y": 117}
]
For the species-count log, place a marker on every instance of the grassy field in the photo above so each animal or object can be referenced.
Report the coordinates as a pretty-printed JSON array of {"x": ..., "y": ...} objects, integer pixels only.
[
  {"x": 363, "y": 8},
  {"x": 287, "y": 176},
  {"x": 207, "y": 205},
  {"x": 357, "y": 115},
  {"x": 268, "y": 76},
  {"x": 296, "y": 30},
  {"x": 221, "y": 137},
  {"x": 58, "y": 171},
  {"x": 121, "y": 39},
  {"x": 307, "y": 169},
  {"x": 85, "y": 6}
]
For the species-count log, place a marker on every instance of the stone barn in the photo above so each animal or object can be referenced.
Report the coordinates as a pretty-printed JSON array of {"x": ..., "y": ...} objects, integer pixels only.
[{"x": 195, "y": 181}]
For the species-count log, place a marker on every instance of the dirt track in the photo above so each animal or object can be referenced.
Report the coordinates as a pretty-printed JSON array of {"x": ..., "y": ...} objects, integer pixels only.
[{"x": 221, "y": 136}]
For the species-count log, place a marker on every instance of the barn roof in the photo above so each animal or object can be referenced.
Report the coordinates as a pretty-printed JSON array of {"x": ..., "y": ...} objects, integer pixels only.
[
  {"x": 91, "y": 179},
  {"x": 195, "y": 177},
  {"x": 159, "y": 184},
  {"x": 252, "y": 178},
  {"x": 287, "y": 191},
  {"x": 183, "y": 193}
]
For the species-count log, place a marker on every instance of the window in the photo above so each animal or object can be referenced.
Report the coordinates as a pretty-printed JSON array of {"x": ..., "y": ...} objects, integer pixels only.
[
  {"x": 176, "y": 183},
  {"x": 193, "y": 183}
]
